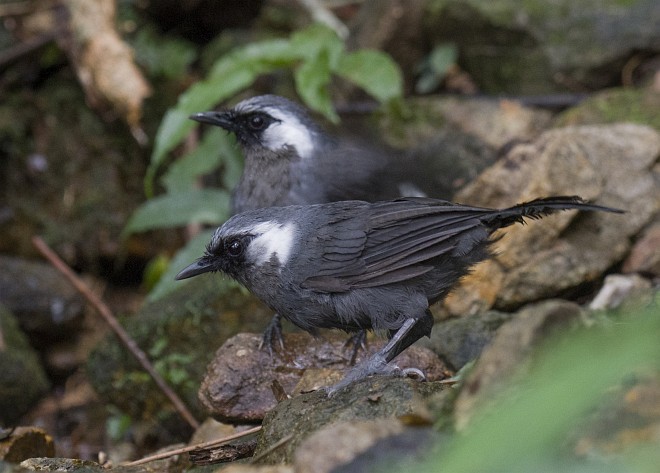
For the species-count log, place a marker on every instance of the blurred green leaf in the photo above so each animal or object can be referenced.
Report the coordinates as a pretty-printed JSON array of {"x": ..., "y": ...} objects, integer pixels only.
[
  {"x": 161, "y": 54},
  {"x": 229, "y": 75},
  {"x": 317, "y": 39},
  {"x": 312, "y": 80},
  {"x": 533, "y": 419},
  {"x": 193, "y": 250},
  {"x": 216, "y": 148},
  {"x": 374, "y": 71},
  {"x": 435, "y": 67},
  {"x": 154, "y": 270},
  {"x": 171, "y": 210}
]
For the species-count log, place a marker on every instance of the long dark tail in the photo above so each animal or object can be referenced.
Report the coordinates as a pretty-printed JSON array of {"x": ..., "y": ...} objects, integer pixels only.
[{"x": 539, "y": 208}]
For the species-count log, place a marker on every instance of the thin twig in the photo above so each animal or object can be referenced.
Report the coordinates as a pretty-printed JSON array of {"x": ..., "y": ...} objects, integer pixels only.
[
  {"x": 110, "y": 319},
  {"x": 190, "y": 448}
]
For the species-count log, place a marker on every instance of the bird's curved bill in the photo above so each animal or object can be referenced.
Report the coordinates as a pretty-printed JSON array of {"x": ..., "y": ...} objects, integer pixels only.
[
  {"x": 221, "y": 119},
  {"x": 198, "y": 267}
]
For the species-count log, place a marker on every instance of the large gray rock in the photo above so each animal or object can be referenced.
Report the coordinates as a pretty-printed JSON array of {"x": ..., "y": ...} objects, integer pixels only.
[
  {"x": 538, "y": 47},
  {"x": 372, "y": 398},
  {"x": 23, "y": 380},
  {"x": 44, "y": 302},
  {"x": 611, "y": 165}
]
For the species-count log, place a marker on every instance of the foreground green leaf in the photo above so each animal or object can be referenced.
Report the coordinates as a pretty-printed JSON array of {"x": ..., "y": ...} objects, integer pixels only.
[{"x": 527, "y": 428}]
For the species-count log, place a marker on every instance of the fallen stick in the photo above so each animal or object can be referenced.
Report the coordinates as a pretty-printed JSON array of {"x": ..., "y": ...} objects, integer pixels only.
[{"x": 116, "y": 327}]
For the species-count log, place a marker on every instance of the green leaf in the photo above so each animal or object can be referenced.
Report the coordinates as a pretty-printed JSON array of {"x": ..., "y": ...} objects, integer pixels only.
[
  {"x": 567, "y": 380},
  {"x": 193, "y": 250},
  {"x": 229, "y": 75},
  {"x": 374, "y": 71},
  {"x": 435, "y": 67},
  {"x": 315, "y": 40},
  {"x": 171, "y": 210},
  {"x": 216, "y": 148},
  {"x": 312, "y": 79}
]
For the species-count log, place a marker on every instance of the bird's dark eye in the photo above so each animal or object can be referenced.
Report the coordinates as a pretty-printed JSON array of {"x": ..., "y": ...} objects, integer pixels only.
[
  {"x": 257, "y": 122},
  {"x": 234, "y": 248}
]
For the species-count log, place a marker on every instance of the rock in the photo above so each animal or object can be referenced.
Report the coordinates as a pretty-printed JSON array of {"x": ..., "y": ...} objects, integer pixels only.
[
  {"x": 461, "y": 339},
  {"x": 26, "y": 442},
  {"x": 618, "y": 288},
  {"x": 371, "y": 398},
  {"x": 211, "y": 429},
  {"x": 45, "y": 304},
  {"x": 238, "y": 383},
  {"x": 60, "y": 464},
  {"x": 495, "y": 122},
  {"x": 536, "y": 48},
  {"x": 446, "y": 155},
  {"x": 510, "y": 350},
  {"x": 180, "y": 333},
  {"x": 611, "y": 165},
  {"x": 631, "y": 105},
  {"x": 374, "y": 445},
  {"x": 23, "y": 381},
  {"x": 645, "y": 254},
  {"x": 238, "y": 468},
  {"x": 11, "y": 468}
]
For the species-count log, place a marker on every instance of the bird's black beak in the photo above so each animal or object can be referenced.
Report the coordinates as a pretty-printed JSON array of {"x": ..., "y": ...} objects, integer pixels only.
[
  {"x": 200, "y": 266},
  {"x": 223, "y": 119}
]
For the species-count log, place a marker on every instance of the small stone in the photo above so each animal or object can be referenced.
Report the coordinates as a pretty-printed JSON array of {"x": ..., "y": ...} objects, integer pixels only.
[
  {"x": 617, "y": 289},
  {"x": 26, "y": 442}
]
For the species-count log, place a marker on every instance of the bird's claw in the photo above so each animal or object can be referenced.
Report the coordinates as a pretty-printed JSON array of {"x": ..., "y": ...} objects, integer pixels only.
[{"x": 413, "y": 373}]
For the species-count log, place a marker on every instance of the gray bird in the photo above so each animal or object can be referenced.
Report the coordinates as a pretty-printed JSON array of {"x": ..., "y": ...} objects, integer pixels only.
[
  {"x": 291, "y": 160},
  {"x": 359, "y": 266}
]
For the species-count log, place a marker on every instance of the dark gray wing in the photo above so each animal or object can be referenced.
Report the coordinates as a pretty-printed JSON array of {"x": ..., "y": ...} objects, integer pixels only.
[{"x": 392, "y": 242}]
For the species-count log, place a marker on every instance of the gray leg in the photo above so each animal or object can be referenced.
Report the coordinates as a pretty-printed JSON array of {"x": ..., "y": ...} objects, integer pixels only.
[
  {"x": 273, "y": 332},
  {"x": 411, "y": 331}
]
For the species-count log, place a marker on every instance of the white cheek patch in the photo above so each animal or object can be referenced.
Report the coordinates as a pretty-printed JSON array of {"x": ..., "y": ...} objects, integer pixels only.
[
  {"x": 288, "y": 132},
  {"x": 273, "y": 239}
]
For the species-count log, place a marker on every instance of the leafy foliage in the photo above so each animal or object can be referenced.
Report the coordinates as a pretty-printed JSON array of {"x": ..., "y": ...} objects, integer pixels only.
[
  {"x": 314, "y": 54},
  {"x": 527, "y": 429}
]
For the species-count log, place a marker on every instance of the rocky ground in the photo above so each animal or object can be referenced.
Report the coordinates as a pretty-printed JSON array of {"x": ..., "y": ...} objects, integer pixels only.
[{"x": 570, "y": 281}]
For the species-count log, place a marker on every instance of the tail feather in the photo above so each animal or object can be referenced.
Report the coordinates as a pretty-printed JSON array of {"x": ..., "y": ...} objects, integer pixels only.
[{"x": 539, "y": 208}]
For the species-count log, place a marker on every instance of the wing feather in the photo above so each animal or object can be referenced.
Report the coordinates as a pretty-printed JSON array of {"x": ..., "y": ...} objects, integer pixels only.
[{"x": 395, "y": 244}]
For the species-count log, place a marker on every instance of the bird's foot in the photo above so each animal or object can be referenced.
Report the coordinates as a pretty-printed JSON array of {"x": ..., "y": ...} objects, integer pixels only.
[
  {"x": 272, "y": 334},
  {"x": 357, "y": 341},
  {"x": 376, "y": 365}
]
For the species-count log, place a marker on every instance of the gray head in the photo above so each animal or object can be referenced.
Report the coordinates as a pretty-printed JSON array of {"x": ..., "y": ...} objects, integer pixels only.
[
  {"x": 268, "y": 121},
  {"x": 248, "y": 240}
]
